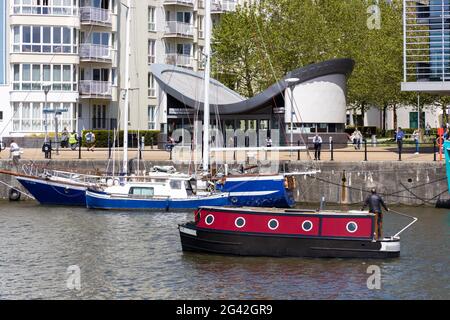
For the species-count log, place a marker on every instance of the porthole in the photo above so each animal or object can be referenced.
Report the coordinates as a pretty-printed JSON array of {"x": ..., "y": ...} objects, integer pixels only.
[
  {"x": 307, "y": 225},
  {"x": 273, "y": 224},
  {"x": 352, "y": 227},
  {"x": 239, "y": 222},
  {"x": 209, "y": 220}
]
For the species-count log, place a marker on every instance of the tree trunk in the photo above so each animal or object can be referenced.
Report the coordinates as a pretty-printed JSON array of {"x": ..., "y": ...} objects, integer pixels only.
[
  {"x": 383, "y": 125},
  {"x": 363, "y": 112},
  {"x": 444, "y": 113}
]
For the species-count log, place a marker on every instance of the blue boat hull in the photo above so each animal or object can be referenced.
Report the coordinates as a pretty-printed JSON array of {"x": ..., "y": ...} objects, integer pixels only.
[
  {"x": 258, "y": 191},
  {"x": 48, "y": 192},
  {"x": 100, "y": 200}
]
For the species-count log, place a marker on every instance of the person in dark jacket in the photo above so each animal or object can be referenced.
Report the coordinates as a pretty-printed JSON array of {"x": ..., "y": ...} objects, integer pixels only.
[{"x": 375, "y": 202}]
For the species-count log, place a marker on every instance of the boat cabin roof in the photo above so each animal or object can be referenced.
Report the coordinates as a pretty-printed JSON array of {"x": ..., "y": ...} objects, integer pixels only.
[{"x": 288, "y": 211}]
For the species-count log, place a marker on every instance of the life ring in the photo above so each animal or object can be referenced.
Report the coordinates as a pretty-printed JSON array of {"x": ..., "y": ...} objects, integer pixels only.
[{"x": 14, "y": 195}]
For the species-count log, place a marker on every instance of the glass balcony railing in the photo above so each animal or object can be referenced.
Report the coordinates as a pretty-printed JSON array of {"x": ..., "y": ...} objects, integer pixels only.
[
  {"x": 95, "y": 88},
  {"x": 176, "y": 28},
  {"x": 179, "y": 2},
  {"x": 89, "y": 51},
  {"x": 181, "y": 60},
  {"x": 95, "y": 15}
]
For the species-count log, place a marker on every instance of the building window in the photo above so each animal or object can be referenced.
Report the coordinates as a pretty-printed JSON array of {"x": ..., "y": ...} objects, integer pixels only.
[
  {"x": 151, "y": 86},
  {"x": 99, "y": 120},
  {"x": 43, "y": 39},
  {"x": 29, "y": 116},
  {"x": 31, "y": 77},
  {"x": 201, "y": 30},
  {"x": 45, "y": 7},
  {"x": 151, "y": 19},
  {"x": 151, "y": 117},
  {"x": 151, "y": 51}
]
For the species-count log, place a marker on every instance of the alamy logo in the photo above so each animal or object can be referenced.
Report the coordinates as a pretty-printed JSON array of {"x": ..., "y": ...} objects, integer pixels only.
[
  {"x": 374, "y": 20},
  {"x": 374, "y": 280},
  {"x": 74, "y": 278}
]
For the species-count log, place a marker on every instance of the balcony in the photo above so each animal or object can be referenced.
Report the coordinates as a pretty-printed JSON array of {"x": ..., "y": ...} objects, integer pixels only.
[
  {"x": 185, "y": 3},
  {"x": 179, "y": 29},
  {"x": 95, "y": 89},
  {"x": 179, "y": 60},
  {"x": 96, "y": 16},
  {"x": 95, "y": 52},
  {"x": 223, "y": 6}
]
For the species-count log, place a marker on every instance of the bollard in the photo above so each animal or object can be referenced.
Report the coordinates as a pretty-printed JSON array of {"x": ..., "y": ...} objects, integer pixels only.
[
  {"x": 79, "y": 147},
  {"x": 298, "y": 152},
  {"x": 400, "y": 148},
  {"x": 365, "y": 150},
  {"x": 434, "y": 150},
  {"x": 332, "y": 150}
]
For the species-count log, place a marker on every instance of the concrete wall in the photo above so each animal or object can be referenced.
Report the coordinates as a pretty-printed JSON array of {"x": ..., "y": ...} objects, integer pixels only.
[{"x": 424, "y": 180}]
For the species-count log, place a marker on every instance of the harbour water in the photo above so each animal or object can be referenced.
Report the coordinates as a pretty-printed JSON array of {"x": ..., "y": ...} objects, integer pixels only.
[{"x": 138, "y": 256}]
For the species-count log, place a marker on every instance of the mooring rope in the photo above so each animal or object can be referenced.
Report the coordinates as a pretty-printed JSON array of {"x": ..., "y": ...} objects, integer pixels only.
[
  {"x": 22, "y": 192},
  {"x": 407, "y": 216}
]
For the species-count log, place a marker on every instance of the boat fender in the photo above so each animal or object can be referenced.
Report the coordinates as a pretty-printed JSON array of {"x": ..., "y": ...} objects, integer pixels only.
[
  {"x": 234, "y": 200},
  {"x": 14, "y": 195}
]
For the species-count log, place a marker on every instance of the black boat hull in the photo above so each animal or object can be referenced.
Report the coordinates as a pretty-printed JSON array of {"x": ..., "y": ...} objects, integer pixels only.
[{"x": 241, "y": 244}]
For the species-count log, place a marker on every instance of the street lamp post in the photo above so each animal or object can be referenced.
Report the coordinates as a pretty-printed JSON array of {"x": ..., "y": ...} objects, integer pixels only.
[
  {"x": 46, "y": 88},
  {"x": 291, "y": 83}
]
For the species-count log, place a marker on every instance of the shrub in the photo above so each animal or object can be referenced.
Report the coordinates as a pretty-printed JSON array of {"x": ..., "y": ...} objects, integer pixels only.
[{"x": 103, "y": 136}]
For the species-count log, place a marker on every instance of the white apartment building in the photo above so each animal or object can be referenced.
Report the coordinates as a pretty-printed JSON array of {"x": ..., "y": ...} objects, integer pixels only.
[{"x": 74, "y": 50}]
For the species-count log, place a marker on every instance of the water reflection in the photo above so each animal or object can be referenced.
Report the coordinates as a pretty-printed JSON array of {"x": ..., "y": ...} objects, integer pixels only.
[{"x": 138, "y": 256}]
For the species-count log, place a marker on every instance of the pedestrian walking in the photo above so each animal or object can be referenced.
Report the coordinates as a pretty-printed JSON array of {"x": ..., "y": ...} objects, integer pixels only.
[
  {"x": 416, "y": 138},
  {"x": 375, "y": 202},
  {"x": 65, "y": 138},
  {"x": 14, "y": 151},
  {"x": 399, "y": 136},
  {"x": 317, "y": 146},
  {"x": 269, "y": 142}
]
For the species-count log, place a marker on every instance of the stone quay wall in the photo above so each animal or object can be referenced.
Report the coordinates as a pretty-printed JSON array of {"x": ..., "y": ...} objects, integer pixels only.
[{"x": 405, "y": 183}]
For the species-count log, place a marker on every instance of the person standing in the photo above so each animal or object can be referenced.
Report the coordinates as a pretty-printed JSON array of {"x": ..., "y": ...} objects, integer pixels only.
[
  {"x": 14, "y": 151},
  {"x": 427, "y": 130},
  {"x": 416, "y": 137},
  {"x": 399, "y": 135},
  {"x": 269, "y": 142},
  {"x": 90, "y": 141},
  {"x": 65, "y": 138},
  {"x": 317, "y": 146},
  {"x": 375, "y": 202}
]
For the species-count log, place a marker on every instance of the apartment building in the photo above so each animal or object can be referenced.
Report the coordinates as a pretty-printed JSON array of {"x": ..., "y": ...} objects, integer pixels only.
[{"x": 63, "y": 60}]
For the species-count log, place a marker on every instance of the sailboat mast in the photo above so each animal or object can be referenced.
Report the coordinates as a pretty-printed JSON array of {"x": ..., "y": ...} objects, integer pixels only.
[
  {"x": 206, "y": 114},
  {"x": 127, "y": 89}
]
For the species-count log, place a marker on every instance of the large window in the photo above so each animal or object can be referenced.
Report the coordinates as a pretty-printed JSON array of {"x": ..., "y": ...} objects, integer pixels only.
[
  {"x": 29, "y": 116},
  {"x": 31, "y": 76},
  {"x": 151, "y": 117},
  {"x": 46, "y": 7},
  {"x": 151, "y": 51},
  {"x": 44, "y": 39},
  {"x": 151, "y": 86},
  {"x": 151, "y": 19}
]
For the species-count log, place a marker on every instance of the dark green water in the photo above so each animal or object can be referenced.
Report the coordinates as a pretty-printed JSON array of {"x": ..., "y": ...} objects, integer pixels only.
[{"x": 138, "y": 256}]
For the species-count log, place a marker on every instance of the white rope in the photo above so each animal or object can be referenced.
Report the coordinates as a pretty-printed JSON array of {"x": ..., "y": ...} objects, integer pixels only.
[
  {"x": 11, "y": 187},
  {"x": 404, "y": 215}
]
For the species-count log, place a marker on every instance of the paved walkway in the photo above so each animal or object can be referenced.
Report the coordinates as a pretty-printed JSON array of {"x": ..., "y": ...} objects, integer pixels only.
[{"x": 347, "y": 154}]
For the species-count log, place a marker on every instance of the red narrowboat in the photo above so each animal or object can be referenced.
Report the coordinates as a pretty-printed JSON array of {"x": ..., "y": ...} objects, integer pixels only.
[{"x": 286, "y": 233}]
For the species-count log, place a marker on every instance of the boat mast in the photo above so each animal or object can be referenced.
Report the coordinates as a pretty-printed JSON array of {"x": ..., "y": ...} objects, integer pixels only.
[
  {"x": 206, "y": 114},
  {"x": 127, "y": 89}
]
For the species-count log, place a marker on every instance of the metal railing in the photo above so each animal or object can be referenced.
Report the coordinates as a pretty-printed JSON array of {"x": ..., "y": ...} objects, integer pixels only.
[
  {"x": 179, "y": 29},
  {"x": 179, "y": 2},
  {"x": 177, "y": 59},
  {"x": 95, "y": 88},
  {"x": 95, "y": 15},
  {"x": 95, "y": 52}
]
